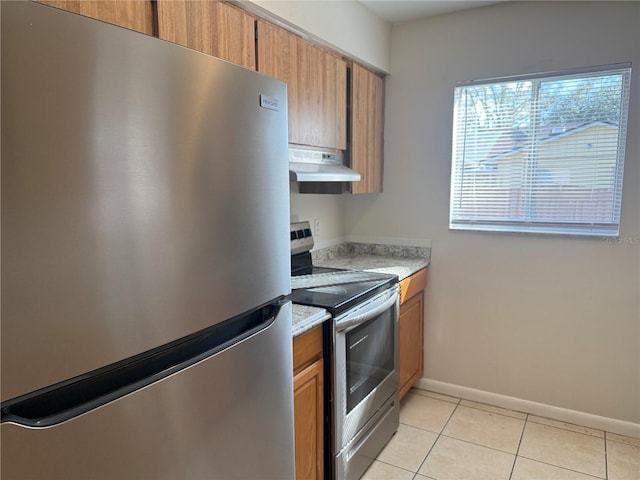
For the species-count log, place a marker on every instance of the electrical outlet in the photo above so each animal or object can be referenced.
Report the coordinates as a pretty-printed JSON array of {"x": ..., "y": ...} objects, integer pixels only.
[{"x": 316, "y": 227}]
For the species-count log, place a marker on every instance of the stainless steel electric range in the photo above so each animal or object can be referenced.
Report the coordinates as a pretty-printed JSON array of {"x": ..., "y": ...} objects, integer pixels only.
[{"x": 361, "y": 345}]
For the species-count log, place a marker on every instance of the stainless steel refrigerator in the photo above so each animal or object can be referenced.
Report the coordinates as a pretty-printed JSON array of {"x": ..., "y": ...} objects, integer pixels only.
[{"x": 145, "y": 258}]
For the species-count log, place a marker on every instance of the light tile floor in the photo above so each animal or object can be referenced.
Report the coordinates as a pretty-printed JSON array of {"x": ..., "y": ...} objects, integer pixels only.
[{"x": 446, "y": 438}]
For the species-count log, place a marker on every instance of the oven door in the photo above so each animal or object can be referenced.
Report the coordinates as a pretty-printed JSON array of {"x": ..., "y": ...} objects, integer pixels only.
[{"x": 365, "y": 364}]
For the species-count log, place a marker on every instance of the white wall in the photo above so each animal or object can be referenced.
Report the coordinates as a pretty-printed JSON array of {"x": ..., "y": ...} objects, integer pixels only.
[
  {"x": 546, "y": 319},
  {"x": 328, "y": 209}
]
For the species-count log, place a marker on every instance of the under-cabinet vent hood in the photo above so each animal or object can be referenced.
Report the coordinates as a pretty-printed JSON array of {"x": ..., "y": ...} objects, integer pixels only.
[{"x": 317, "y": 166}]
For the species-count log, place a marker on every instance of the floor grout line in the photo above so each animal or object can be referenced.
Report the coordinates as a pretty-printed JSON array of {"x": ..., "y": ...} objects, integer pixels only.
[
  {"x": 515, "y": 459},
  {"x": 527, "y": 420},
  {"x": 394, "y": 465},
  {"x": 605, "y": 432},
  {"x": 562, "y": 468},
  {"x": 494, "y": 412},
  {"x": 561, "y": 427},
  {"x": 606, "y": 458},
  {"x": 477, "y": 444},
  {"x": 438, "y": 437}
]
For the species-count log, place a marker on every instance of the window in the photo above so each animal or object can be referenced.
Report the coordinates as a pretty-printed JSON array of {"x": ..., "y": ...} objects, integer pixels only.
[{"x": 541, "y": 153}]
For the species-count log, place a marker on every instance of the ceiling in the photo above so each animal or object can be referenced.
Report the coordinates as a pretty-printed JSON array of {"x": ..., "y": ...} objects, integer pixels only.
[{"x": 397, "y": 11}]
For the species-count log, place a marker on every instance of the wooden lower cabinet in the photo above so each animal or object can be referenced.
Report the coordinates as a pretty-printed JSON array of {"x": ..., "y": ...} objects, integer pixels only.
[
  {"x": 411, "y": 330},
  {"x": 308, "y": 405},
  {"x": 308, "y": 398}
]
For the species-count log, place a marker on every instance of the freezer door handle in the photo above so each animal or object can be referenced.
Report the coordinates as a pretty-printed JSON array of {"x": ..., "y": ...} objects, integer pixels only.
[{"x": 74, "y": 397}]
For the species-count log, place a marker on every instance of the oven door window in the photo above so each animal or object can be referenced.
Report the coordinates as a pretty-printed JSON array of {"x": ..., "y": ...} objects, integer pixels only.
[{"x": 370, "y": 356}]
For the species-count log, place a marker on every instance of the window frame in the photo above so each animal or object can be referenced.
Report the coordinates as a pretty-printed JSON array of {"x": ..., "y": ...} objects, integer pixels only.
[{"x": 529, "y": 224}]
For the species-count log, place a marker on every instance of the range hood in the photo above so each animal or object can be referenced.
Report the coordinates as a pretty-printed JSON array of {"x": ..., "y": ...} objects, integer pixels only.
[{"x": 318, "y": 166}]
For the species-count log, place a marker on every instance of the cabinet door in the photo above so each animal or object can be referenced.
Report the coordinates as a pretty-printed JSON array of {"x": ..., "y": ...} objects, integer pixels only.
[
  {"x": 211, "y": 27},
  {"x": 317, "y": 86},
  {"x": 132, "y": 14},
  {"x": 410, "y": 341},
  {"x": 308, "y": 422},
  {"x": 367, "y": 102}
]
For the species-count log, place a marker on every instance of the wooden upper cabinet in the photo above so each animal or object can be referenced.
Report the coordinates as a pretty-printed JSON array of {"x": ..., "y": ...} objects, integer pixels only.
[
  {"x": 132, "y": 14},
  {"x": 316, "y": 82},
  {"x": 211, "y": 27},
  {"x": 367, "y": 103}
]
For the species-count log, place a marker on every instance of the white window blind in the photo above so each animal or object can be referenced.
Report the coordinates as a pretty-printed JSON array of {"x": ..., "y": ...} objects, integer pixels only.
[{"x": 541, "y": 153}]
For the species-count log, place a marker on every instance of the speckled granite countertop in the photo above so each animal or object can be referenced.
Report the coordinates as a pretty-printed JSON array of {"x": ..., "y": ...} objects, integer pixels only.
[
  {"x": 399, "y": 260},
  {"x": 305, "y": 318}
]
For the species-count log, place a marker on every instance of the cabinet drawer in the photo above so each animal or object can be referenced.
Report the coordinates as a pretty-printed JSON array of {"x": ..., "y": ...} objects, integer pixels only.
[
  {"x": 412, "y": 285},
  {"x": 307, "y": 348}
]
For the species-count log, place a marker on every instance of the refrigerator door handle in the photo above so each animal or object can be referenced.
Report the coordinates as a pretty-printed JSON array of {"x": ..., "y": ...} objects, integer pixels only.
[{"x": 74, "y": 397}]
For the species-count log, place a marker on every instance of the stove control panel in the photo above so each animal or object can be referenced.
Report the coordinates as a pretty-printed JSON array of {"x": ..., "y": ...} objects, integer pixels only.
[{"x": 301, "y": 237}]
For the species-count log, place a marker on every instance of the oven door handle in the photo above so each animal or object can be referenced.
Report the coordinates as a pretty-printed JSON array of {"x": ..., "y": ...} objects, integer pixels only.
[{"x": 369, "y": 312}]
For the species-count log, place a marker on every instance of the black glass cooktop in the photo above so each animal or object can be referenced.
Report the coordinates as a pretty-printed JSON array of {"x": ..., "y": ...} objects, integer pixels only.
[
  {"x": 311, "y": 270},
  {"x": 335, "y": 298},
  {"x": 340, "y": 298}
]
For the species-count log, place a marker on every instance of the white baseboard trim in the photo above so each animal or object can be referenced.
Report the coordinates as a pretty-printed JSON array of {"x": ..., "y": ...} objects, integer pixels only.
[{"x": 607, "y": 424}]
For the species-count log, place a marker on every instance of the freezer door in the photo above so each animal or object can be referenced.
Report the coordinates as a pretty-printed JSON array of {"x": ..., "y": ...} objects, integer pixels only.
[
  {"x": 227, "y": 417},
  {"x": 145, "y": 193}
]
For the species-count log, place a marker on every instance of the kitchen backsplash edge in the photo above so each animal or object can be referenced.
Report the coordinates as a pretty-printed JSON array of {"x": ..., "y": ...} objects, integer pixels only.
[{"x": 357, "y": 248}]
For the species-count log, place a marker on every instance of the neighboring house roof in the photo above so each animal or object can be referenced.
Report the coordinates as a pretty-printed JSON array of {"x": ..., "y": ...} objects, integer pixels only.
[
  {"x": 516, "y": 139},
  {"x": 511, "y": 141}
]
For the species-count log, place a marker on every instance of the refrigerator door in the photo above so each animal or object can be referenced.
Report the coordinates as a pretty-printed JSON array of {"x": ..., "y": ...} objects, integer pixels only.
[
  {"x": 144, "y": 194},
  {"x": 226, "y": 417}
]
